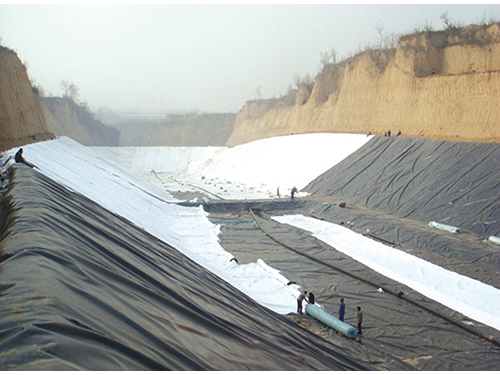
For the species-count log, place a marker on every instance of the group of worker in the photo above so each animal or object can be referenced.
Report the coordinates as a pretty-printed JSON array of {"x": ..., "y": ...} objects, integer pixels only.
[
  {"x": 310, "y": 299},
  {"x": 359, "y": 315},
  {"x": 292, "y": 193},
  {"x": 303, "y": 296}
]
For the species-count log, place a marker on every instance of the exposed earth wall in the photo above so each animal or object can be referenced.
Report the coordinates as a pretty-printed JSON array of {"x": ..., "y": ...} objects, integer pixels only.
[
  {"x": 21, "y": 115},
  {"x": 443, "y": 85}
]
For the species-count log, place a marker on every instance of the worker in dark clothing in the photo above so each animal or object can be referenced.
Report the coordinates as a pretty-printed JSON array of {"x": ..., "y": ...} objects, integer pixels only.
[
  {"x": 300, "y": 298},
  {"x": 19, "y": 156},
  {"x": 341, "y": 309},
  {"x": 20, "y": 159},
  {"x": 310, "y": 298},
  {"x": 360, "y": 320},
  {"x": 292, "y": 193}
]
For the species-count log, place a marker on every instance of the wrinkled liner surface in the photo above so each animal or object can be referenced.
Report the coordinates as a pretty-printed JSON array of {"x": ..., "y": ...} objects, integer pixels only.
[{"x": 85, "y": 289}]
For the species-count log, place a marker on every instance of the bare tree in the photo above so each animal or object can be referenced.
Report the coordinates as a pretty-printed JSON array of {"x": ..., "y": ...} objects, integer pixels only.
[
  {"x": 327, "y": 58},
  {"x": 39, "y": 90},
  {"x": 324, "y": 61},
  {"x": 386, "y": 40},
  {"x": 380, "y": 29},
  {"x": 334, "y": 55},
  {"x": 446, "y": 19},
  {"x": 65, "y": 87},
  {"x": 428, "y": 26},
  {"x": 308, "y": 80},
  {"x": 69, "y": 90},
  {"x": 258, "y": 93},
  {"x": 448, "y": 22},
  {"x": 297, "y": 79}
]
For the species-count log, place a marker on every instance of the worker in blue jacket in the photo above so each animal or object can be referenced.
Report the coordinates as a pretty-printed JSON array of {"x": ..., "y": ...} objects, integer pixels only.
[{"x": 341, "y": 309}]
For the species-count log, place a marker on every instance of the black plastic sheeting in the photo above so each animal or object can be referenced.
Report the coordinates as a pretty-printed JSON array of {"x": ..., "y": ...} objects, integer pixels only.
[
  {"x": 455, "y": 183},
  {"x": 397, "y": 334},
  {"x": 392, "y": 188},
  {"x": 83, "y": 289}
]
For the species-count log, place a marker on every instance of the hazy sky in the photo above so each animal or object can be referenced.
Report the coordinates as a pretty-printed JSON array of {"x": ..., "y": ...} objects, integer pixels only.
[{"x": 209, "y": 57}]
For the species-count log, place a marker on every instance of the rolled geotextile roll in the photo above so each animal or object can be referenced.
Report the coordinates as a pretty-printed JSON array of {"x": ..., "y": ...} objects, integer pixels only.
[
  {"x": 331, "y": 321},
  {"x": 400, "y": 295},
  {"x": 326, "y": 207},
  {"x": 494, "y": 239},
  {"x": 446, "y": 228}
]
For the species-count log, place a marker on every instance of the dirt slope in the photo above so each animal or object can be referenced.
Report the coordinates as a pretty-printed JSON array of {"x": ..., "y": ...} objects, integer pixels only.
[
  {"x": 442, "y": 85},
  {"x": 21, "y": 116},
  {"x": 65, "y": 117}
]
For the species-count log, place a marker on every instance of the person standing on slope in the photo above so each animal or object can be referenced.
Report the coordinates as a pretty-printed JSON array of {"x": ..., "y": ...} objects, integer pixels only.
[
  {"x": 360, "y": 320},
  {"x": 341, "y": 310}
]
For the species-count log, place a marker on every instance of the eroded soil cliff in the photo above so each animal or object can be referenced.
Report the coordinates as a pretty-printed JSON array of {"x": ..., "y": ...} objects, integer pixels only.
[
  {"x": 65, "y": 117},
  {"x": 441, "y": 85},
  {"x": 24, "y": 118},
  {"x": 21, "y": 115}
]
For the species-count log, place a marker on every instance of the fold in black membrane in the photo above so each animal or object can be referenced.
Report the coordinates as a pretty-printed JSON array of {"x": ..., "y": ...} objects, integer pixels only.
[{"x": 84, "y": 289}]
